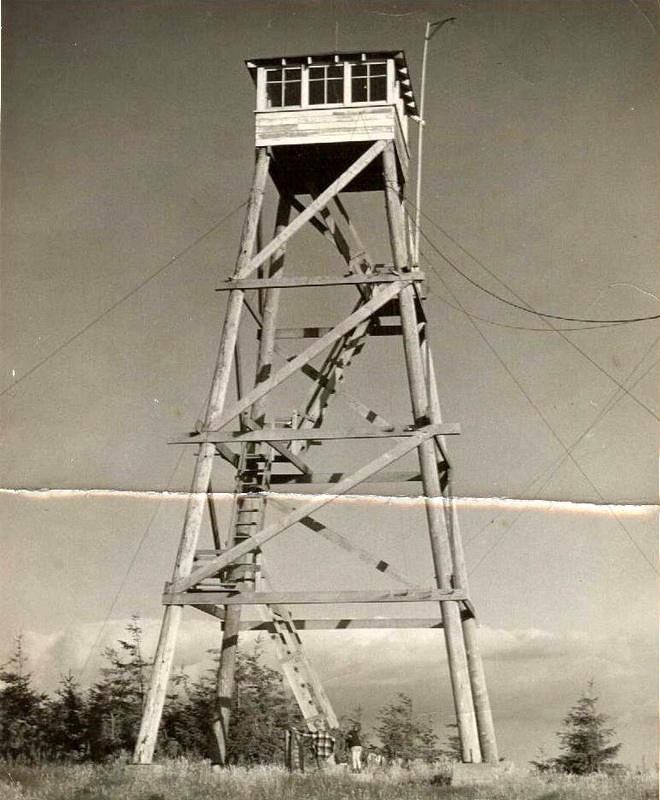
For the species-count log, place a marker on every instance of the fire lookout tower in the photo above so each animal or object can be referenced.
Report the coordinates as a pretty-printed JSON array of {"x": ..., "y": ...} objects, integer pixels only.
[{"x": 324, "y": 125}]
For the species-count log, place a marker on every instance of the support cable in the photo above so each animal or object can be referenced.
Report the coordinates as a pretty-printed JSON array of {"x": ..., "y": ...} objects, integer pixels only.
[
  {"x": 556, "y": 330},
  {"x": 553, "y": 468},
  {"x": 122, "y": 299},
  {"x": 567, "y": 450},
  {"x": 129, "y": 568},
  {"x": 472, "y": 315},
  {"x": 526, "y": 308}
]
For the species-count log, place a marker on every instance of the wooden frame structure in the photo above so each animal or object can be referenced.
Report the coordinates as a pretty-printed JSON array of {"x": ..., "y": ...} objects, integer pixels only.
[{"x": 221, "y": 580}]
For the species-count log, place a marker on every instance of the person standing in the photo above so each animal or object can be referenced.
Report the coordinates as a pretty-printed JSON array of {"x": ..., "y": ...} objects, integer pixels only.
[
  {"x": 323, "y": 746},
  {"x": 354, "y": 742}
]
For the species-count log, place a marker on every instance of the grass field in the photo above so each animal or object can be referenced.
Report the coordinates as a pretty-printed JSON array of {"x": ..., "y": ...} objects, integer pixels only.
[{"x": 181, "y": 780}]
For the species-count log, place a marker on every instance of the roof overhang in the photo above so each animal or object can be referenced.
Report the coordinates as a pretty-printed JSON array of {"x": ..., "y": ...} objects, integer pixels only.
[{"x": 398, "y": 56}]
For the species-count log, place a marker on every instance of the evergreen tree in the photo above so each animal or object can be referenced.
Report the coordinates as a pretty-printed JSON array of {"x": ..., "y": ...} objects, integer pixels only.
[
  {"x": 427, "y": 741},
  {"x": 402, "y": 735},
  {"x": 67, "y": 729},
  {"x": 585, "y": 739},
  {"x": 187, "y": 717},
  {"x": 261, "y": 711},
  {"x": 114, "y": 707},
  {"x": 23, "y": 711}
]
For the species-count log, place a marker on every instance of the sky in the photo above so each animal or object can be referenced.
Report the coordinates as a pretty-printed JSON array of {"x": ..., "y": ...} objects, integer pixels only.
[{"x": 127, "y": 136}]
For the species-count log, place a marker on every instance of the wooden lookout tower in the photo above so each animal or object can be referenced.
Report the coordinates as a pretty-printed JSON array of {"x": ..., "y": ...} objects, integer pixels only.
[{"x": 325, "y": 125}]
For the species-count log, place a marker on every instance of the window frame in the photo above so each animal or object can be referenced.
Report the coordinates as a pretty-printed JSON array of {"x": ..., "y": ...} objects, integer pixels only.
[
  {"x": 282, "y": 83},
  {"x": 342, "y": 66},
  {"x": 347, "y": 88},
  {"x": 388, "y": 86}
]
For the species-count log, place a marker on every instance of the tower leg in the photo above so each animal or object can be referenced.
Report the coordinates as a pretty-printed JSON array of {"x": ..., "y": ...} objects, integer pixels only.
[
  {"x": 226, "y": 678},
  {"x": 480, "y": 697},
  {"x": 440, "y": 548},
  {"x": 226, "y": 682},
  {"x": 151, "y": 716}
]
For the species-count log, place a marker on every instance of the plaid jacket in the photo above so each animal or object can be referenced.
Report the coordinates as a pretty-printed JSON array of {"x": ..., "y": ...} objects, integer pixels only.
[{"x": 323, "y": 744}]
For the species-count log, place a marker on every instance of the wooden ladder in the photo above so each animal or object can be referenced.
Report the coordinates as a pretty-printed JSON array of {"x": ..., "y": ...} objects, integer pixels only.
[
  {"x": 303, "y": 679},
  {"x": 253, "y": 481}
]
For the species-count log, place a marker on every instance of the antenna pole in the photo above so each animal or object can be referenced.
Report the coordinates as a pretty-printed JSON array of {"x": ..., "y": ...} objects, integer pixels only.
[{"x": 431, "y": 29}]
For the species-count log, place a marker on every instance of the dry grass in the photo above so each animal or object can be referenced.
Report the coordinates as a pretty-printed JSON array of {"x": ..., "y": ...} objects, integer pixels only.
[{"x": 183, "y": 780}]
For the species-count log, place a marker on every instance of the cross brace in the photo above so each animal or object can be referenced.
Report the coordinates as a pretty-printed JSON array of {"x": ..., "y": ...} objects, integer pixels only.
[
  {"x": 310, "y": 598},
  {"x": 301, "y": 282},
  {"x": 296, "y": 434},
  {"x": 317, "y": 502},
  {"x": 344, "y": 341}
]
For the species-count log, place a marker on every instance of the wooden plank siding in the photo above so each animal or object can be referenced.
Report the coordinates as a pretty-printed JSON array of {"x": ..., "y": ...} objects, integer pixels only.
[{"x": 308, "y": 126}]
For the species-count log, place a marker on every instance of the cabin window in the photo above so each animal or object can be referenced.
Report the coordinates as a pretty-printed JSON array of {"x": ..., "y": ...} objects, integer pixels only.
[
  {"x": 369, "y": 82},
  {"x": 326, "y": 84},
  {"x": 284, "y": 87}
]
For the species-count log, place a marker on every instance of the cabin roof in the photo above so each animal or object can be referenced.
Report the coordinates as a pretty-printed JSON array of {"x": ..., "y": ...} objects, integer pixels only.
[{"x": 399, "y": 57}]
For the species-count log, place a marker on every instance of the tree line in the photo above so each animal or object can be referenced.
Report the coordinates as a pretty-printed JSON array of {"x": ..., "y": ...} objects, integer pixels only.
[{"x": 101, "y": 722}]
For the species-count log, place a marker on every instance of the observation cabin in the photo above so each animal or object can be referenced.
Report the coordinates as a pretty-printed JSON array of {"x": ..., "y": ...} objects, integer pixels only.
[{"x": 319, "y": 113}]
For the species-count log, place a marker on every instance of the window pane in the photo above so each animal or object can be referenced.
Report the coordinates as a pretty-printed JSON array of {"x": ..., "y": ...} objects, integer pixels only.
[
  {"x": 316, "y": 73},
  {"x": 378, "y": 69},
  {"x": 274, "y": 88},
  {"x": 335, "y": 91},
  {"x": 378, "y": 88},
  {"x": 359, "y": 90},
  {"x": 292, "y": 94},
  {"x": 336, "y": 72},
  {"x": 359, "y": 70},
  {"x": 316, "y": 92},
  {"x": 274, "y": 95}
]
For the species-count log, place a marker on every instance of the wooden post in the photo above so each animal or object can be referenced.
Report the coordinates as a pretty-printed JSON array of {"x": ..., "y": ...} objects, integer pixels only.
[
  {"x": 440, "y": 548},
  {"x": 288, "y": 750},
  {"x": 480, "y": 697},
  {"x": 226, "y": 676},
  {"x": 151, "y": 715}
]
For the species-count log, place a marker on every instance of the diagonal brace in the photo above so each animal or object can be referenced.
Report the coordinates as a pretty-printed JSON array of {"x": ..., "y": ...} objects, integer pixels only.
[
  {"x": 363, "y": 312},
  {"x": 343, "y": 542},
  {"x": 321, "y": 202},
  {"x": 272, "y": 530}
]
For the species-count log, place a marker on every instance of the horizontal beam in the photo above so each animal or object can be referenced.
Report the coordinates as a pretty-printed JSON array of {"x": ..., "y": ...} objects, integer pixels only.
[
  {"x": 293, "y": 282},
  {"x": 317, "y": 478},
  {"x": 350, "y": 623},
  {"x": 316, "y": 333},
  {"x": 299, "y": 434},
  {"x": 311, "y": 597},
  {"x": 346, "y": 624},
  {"x": 334, "y": 622}
]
